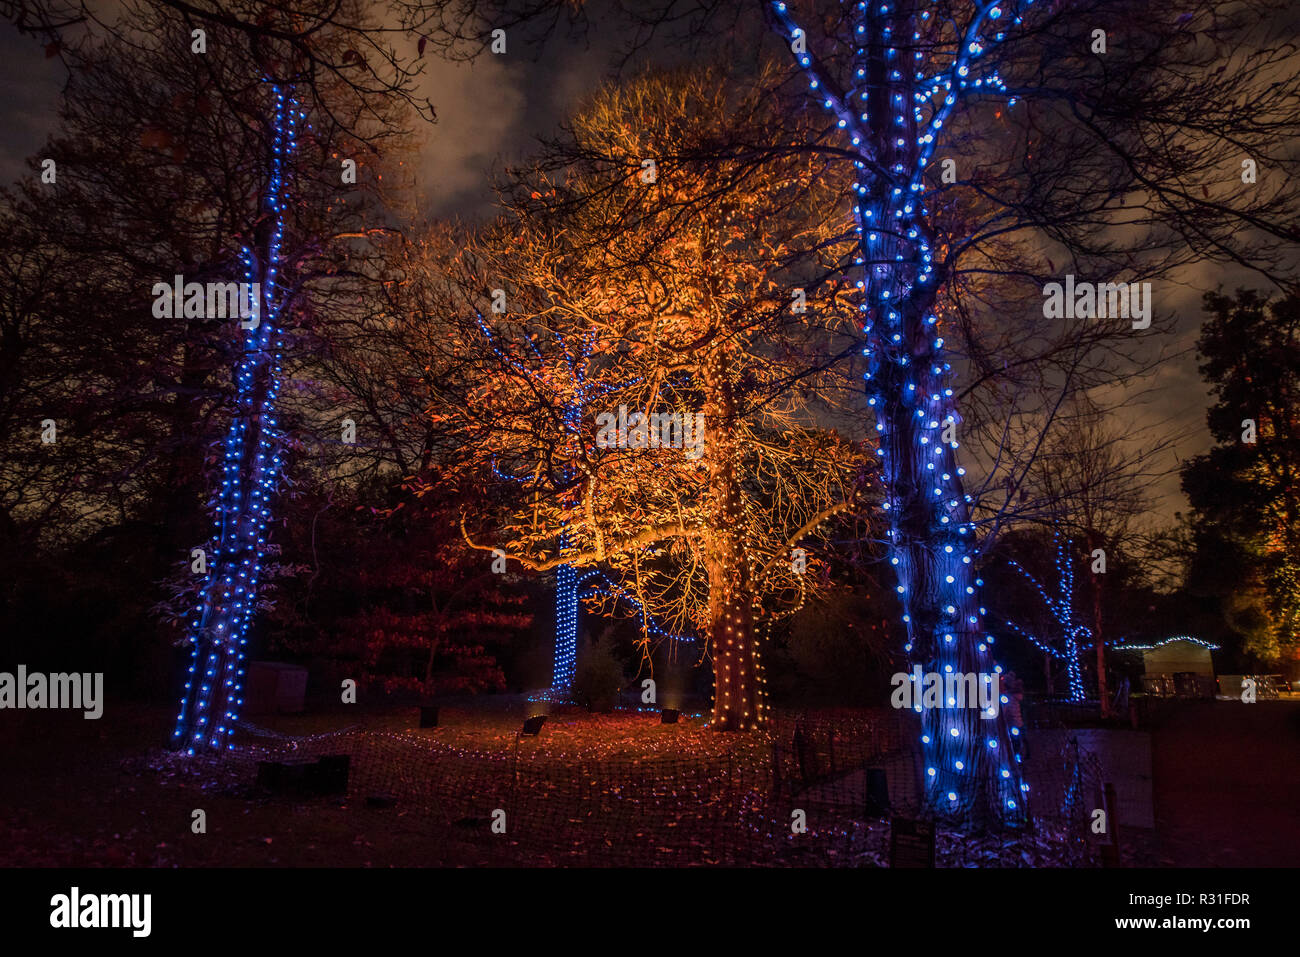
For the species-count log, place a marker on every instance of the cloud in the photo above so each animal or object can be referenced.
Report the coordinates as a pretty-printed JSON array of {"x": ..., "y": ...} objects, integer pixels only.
[
  {"x": 481, "y": 107},
  {"x": 493, "y": 109},
  {"x": 31, "y": 83}
]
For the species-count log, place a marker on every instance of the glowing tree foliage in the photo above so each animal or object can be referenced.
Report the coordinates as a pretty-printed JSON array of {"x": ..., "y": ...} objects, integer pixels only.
[
  {"x": 248, "y": 480},
  {"x": 684, "y": 263},
  {"x": 561, "y": 382},
  {"x": 688, "y": 294},
  {"x": 572, "y": 406},
  {"x": 910, "y": 69}
]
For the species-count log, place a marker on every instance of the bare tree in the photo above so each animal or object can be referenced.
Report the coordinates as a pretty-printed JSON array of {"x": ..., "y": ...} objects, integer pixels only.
[{"x": 987, "y": 139}]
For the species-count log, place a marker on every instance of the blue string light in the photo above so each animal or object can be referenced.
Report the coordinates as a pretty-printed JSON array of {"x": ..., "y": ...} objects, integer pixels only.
[
  {"x": 218, "y": 634},
  {"x": 648, "y": 623},
  {"x": 1160, "y": 644},
  {"x": 1062, "y": 609},
  {"x": 568, "y": 581},
  {"x": 566, "y": 631},
  {"x": 930, "y": 536}
]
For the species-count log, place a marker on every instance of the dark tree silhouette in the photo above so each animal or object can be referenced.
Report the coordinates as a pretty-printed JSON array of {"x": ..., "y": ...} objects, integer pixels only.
[{"x": 1245, "y": 492}]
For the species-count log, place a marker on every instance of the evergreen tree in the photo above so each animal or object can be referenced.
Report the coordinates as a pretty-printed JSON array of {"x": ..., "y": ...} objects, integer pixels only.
[{"x": 1245, "y": 492}]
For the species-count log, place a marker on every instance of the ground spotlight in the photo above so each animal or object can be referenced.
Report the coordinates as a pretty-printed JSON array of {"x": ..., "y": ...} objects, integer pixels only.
[{"x": 533, "y": 726}]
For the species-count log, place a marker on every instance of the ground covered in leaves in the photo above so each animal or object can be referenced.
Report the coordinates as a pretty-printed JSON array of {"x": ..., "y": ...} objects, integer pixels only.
[{"x": 618, "y": 789}]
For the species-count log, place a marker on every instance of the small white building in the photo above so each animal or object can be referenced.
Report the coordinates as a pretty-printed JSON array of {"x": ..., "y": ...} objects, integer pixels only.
[{"x": 1177, "y": 656}]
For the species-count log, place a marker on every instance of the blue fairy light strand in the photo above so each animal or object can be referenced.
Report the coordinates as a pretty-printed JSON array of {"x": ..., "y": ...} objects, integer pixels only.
[{"x": 251, "y": 466}]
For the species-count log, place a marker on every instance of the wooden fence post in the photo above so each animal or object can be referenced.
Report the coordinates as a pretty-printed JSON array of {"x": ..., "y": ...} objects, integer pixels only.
[{"x": 1110, "y": 851}]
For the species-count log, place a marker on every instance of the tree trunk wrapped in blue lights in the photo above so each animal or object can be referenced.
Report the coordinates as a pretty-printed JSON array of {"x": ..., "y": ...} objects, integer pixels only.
[
  {"x": 908, "y": 72},
  {"x": 250, "y": 471},
  {"x": 558, "y": 374},
  {"x": 566, "y": 632}
]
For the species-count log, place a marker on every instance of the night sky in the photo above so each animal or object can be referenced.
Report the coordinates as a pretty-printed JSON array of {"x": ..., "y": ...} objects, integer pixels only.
[{"x": 492, "y": 110}]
